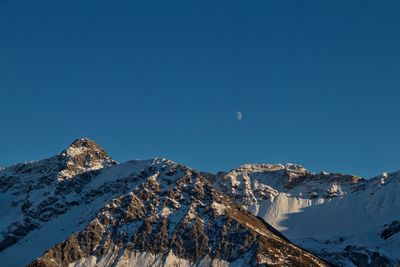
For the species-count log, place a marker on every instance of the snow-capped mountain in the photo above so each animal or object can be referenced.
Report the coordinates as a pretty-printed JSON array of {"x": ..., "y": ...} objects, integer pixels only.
[
  {"x": 81, "y": 208},
  {"x": 344, "y": 219},
  {"x": 36, "y": 192}
]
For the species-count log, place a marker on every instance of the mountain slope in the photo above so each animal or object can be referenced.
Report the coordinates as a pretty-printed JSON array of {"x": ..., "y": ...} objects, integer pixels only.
[
  {"x": 34, "y": 192},
  {"x": 343, "y": 218},
  {"x": 87, "y": 210}
]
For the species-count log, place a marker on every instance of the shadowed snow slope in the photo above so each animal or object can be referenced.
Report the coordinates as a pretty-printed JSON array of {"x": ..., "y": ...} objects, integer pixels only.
[{"x": 339, "y": 217}]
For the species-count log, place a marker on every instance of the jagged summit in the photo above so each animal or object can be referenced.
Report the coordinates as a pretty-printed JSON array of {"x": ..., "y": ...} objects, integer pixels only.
[
  {"x": 81, "y": 145},
  {"x": 83, "y": 155}
]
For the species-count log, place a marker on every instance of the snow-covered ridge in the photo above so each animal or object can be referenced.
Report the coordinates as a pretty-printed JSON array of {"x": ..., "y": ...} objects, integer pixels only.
[{"x": 340, "y": 217}]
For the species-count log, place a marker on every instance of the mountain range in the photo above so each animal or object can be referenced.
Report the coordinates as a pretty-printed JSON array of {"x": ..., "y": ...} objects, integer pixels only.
[{"x": 82, "y": 208}]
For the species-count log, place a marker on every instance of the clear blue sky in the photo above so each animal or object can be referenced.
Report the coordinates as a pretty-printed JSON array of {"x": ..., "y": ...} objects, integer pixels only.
[{"x": 318, "y": 82}]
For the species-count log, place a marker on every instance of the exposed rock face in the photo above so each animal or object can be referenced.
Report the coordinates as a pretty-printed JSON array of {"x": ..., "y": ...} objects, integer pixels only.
[
  {"x": 87, "y": 210},
  {"x": 81, "y": 156},
  {"x": 390, "y": 230}
]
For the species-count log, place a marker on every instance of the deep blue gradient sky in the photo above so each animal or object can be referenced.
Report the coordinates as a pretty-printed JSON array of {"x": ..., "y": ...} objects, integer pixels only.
[{"x": 318, "y": 82}]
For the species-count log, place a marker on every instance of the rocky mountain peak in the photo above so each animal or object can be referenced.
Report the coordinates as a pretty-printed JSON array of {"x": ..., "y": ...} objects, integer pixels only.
[
  {"x": 83, "y": 155},
  {"x": 81, "y": 145}
]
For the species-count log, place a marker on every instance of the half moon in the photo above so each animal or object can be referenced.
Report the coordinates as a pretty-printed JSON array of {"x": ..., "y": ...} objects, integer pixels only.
[{"x": 239, "y": 115}]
